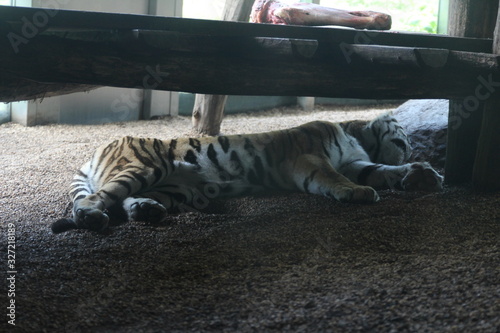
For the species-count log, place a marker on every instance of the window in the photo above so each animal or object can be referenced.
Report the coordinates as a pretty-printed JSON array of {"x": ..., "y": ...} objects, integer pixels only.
[{"x": 210, "y": 10}]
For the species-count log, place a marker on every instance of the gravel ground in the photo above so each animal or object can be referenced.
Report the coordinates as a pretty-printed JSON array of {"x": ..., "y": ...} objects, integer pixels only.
[{"x": 414, "y": 262}]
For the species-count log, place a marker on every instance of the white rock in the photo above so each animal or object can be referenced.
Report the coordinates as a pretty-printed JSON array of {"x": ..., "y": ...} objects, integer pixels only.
[{"x": 426, "y": 123}]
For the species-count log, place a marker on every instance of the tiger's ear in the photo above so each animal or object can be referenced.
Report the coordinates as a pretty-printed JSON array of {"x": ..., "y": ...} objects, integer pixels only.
[
  {"x": 381, "y": 118},
  {"x": 389, "y": 114}
]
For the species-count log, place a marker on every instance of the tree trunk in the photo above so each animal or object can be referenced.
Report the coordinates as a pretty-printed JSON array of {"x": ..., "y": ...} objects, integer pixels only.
[
  {"x": 208, "y": 110},
  {"x": 467, "y": 18},
  {"x": 237, "y": 10}
]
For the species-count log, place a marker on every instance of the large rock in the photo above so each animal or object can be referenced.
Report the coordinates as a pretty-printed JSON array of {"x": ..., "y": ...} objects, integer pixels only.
[{"x": 426, "y": 124}]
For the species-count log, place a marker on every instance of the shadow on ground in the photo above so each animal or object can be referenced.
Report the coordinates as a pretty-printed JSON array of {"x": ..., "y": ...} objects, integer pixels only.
[{"x": 293, "y": 262}]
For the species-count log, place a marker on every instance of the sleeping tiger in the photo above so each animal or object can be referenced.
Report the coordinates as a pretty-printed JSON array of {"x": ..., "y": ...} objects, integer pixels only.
[{"x": 148, "y": 178}]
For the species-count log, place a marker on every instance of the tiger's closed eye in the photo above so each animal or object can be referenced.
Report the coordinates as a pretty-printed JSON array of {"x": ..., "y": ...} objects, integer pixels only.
[{"x": 400, "y": 143}]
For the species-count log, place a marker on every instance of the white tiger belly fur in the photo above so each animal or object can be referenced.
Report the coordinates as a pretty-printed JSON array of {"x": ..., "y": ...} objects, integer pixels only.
[{"x": 149, "y": 177}]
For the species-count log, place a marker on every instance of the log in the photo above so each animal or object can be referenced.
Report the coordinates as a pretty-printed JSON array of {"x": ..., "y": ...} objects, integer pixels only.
[
  {"x": 251, "y": 66},
  {"x": 487, "y": 162},
  {"x": 14, "y": 88},
  {"x": 215, "y": 57},
  {"x": 467, "y": 18},
  {"x": 208, "y": 110}
]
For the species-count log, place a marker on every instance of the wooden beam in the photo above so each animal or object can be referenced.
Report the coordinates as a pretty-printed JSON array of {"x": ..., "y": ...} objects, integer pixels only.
[
  {"x": 467, "y": 18},
  {"x": 249, "y": 66},
  {"x": 487, "y": 163},
  {"x": 14, "y": 88},
  {"x": 120, "y": 51},
  {"x": 14, "y": 19}
]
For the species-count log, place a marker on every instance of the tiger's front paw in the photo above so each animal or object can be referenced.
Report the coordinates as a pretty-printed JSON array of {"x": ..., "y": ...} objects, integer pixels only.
[
  {"x": 422, "y": 177},
  {"x": 92, "y": 219},
  {"x": 361, "y": 194}
]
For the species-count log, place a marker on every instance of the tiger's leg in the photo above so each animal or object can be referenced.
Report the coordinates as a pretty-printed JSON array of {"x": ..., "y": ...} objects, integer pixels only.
[
  {"x": 153, "y": 206},
  {"x": 89, "y": 210},
  {"x": 315, "y": 174},
  {"x": 409, "y": 177}
]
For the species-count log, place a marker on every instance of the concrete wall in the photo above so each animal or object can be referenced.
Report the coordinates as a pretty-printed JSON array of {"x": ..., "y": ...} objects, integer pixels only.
[
  {"x": 103, "y": 104},
  {"x": 237, "y": 104},
  {"x": 4, "y": 113}
]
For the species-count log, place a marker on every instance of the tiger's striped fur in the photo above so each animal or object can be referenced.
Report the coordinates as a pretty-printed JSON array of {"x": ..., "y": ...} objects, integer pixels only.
[{"x": 151, "y": 177}]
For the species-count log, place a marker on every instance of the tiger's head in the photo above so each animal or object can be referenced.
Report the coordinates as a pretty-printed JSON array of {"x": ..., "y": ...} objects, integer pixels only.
[
  {"x": 389, "y": 145},
  {"x": 385, "y": 140}
]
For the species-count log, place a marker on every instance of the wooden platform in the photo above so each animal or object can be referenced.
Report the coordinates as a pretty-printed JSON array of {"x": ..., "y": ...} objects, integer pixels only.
[
  {"x": 96, "y": 49},
  {"x": 47, "y": 52}
]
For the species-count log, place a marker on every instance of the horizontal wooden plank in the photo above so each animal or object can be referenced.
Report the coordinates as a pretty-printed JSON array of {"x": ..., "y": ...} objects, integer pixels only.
[
  {"x": 17, "y": 18},
  {"x": 238, "y": 65}
]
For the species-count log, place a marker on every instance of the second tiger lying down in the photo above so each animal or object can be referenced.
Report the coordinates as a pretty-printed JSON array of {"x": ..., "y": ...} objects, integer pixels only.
[{"x": 149, "y": 177}]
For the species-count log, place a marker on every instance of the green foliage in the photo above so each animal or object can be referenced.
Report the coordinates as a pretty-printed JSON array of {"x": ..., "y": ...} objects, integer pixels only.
[{"x": 407, "y": 15}]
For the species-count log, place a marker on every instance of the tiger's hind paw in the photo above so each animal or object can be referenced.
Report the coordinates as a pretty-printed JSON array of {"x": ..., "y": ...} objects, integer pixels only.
[
  {"x": 91, "y": 219},
  {"x": 143, "y": 209},
  {"x": 422, "y": 177}
]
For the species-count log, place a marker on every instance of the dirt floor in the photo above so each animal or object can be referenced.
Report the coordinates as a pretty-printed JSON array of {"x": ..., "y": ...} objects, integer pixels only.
[{"x": 414, "y": 262}]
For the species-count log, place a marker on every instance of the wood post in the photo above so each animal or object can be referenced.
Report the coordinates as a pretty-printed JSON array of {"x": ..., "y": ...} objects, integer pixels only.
[
  {"x": 208, "y": 110},
  {"x": 487, "y": 164},
  {"x": 467, "y": 18},
  {"x": 237, "y": 10}
]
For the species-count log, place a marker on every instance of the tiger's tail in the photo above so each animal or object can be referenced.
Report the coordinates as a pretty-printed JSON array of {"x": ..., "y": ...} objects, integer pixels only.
[{"x": 63, "y": 225}]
